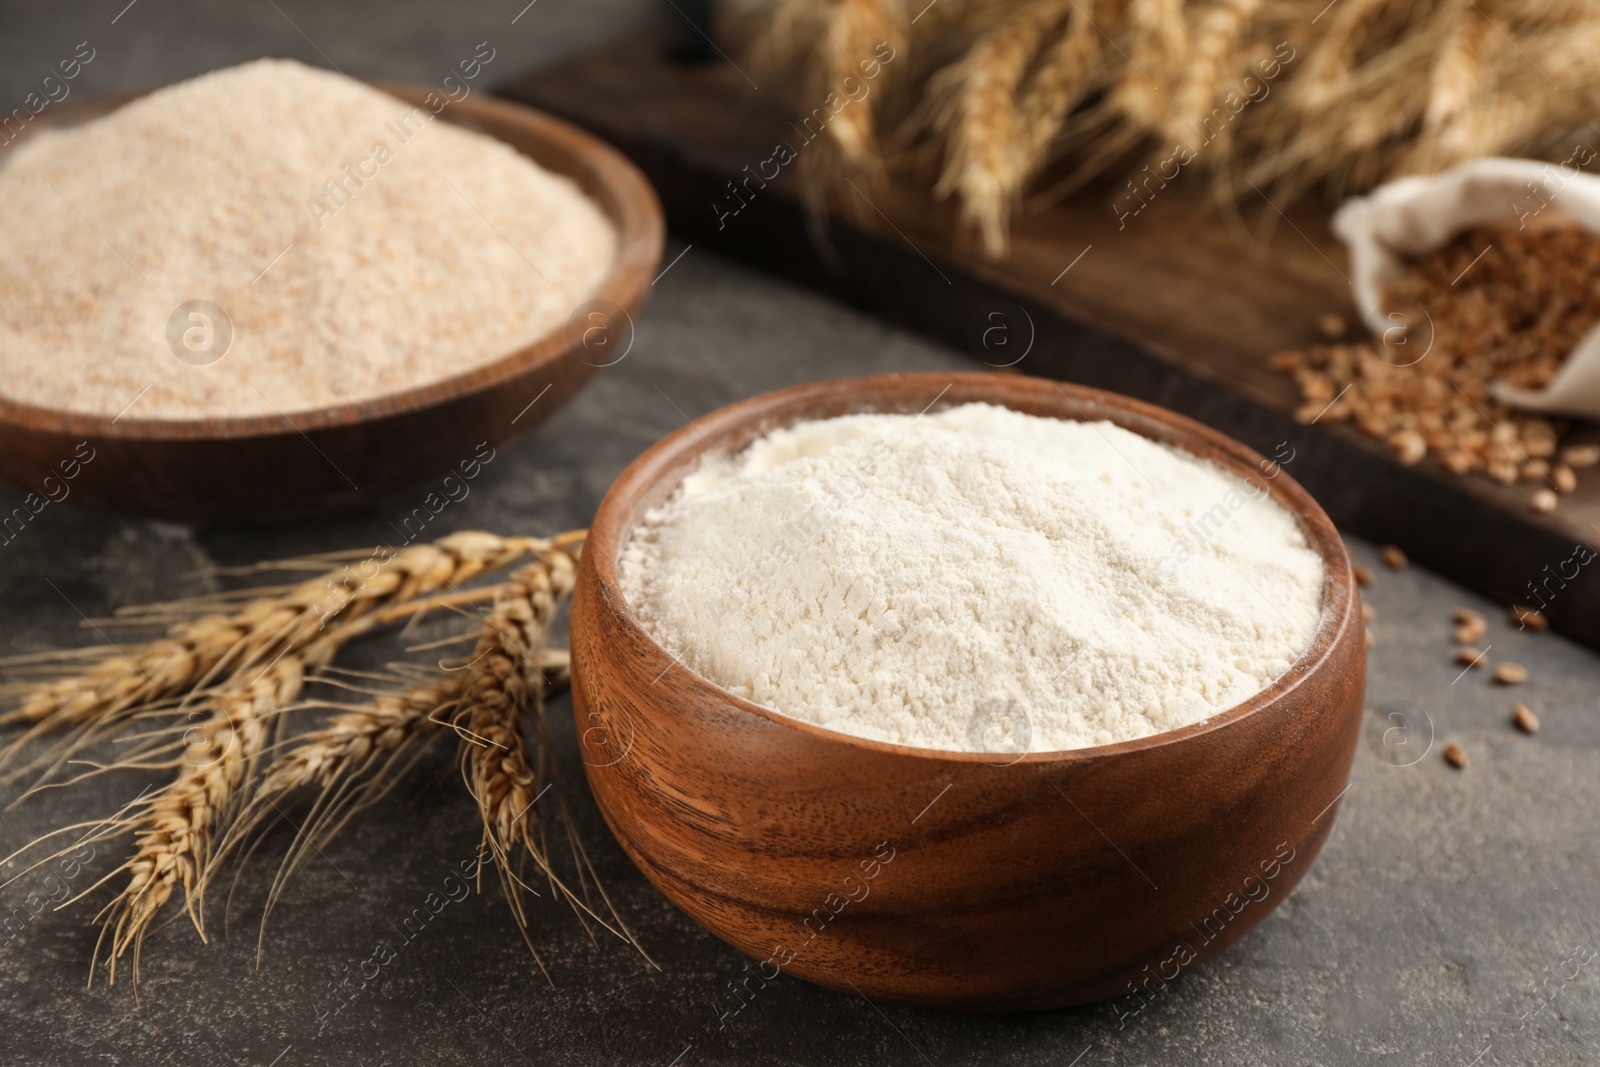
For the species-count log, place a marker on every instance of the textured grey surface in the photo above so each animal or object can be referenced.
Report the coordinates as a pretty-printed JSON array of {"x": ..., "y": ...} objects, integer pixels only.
[{"x": 1439, "y": 926}]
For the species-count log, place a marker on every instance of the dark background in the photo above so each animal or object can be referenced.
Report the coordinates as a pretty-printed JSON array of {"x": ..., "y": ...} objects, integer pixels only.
[{"x": 1443, "y": 901}]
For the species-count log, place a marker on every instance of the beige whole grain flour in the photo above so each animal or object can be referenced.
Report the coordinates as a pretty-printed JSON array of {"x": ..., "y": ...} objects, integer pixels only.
[
  {"x": 976, "y": 580},
  {"x": 339, "y": 243}
]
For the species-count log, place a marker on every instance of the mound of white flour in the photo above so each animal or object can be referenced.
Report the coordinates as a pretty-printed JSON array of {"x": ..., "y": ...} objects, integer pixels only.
[{"x": 976, "y": 580}]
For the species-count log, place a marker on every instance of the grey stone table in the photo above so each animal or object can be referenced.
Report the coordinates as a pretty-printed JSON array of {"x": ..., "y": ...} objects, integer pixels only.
[{"x": 1451, "y": 919}]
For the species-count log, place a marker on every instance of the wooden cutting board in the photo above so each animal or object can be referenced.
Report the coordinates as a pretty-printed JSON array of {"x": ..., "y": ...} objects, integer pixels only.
[{"x": 1177, "y": 304}]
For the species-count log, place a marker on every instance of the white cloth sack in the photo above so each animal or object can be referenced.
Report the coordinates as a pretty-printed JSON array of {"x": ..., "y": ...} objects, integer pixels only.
[{"x": 1413, "y": 216}]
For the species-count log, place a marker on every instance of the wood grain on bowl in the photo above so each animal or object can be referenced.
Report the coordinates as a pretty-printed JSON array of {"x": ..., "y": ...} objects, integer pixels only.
[
  {"x": 958, "y": 880},
  {"x": 351, "y": 455}
]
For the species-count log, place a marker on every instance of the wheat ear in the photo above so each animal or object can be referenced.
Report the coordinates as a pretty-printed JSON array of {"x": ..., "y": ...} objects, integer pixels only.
[
  {"x": 1454, "y": 80},
  {"x": 980, "y": 117},
  {"x": 175, "y": 830},
  {"x": 1066, "y": 76},
  {"x": 1213, "y": 55},
  {"x": 1157, "y": 52},
  {"x": 1340, "y": 95},
  {"x": 854, "y": 31},
  {"x": 349, "y": 743},
  {"x": 503, "y": 695},
  {"x": 354, "y": 759},
  {"x": 1331, "y": 61},
  {"x": 503, "y": 686}
]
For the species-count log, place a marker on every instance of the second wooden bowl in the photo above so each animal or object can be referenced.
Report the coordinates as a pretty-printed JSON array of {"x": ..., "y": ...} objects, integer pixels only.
[
  {"x": 275, "y": 467},
  {"x": 943, "y": 878}
]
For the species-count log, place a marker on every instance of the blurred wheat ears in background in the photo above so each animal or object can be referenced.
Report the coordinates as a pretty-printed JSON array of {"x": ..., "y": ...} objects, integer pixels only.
[
  {"x": 1275, "y": 96},
  {"x": 207, "y": 705}
]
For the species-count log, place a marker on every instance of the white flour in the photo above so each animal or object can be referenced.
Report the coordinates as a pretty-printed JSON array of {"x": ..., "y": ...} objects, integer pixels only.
[
  {"x": 976, "y": 580},
  {"x": 440, "y": 251}
]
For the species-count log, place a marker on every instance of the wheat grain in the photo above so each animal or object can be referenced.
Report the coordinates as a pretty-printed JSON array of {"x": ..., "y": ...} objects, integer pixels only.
[
  {"x": 1524, "y": 719},
  {"x": 1504, "y": 305},
  {"x": 1510, "y": 674}
]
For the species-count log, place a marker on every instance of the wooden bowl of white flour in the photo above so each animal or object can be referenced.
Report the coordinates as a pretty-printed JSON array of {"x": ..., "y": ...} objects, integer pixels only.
[
  {"x": 971, "y": 691},
  {"x": 271, "y": 292}
]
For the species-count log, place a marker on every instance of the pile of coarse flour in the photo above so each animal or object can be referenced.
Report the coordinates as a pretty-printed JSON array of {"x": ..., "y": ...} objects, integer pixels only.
[
  {"x": 357, "y": 245},
  {"x": 976, "y": 580}
]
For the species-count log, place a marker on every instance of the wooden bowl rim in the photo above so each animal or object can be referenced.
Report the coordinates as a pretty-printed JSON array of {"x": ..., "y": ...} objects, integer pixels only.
[
  {"x": 628, "y": 201},
  {"x": 676, "y": 453}
]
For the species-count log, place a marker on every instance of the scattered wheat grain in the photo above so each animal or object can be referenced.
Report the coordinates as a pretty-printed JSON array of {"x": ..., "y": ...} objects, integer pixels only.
[
  {"x": 1529, "y": 618},
  {"x": 1524, "y": 719},
  {"x": 1580, "y": 456},
  {"x": 1510, "y": 674},
  {"x": 1332, "y": 326}
]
